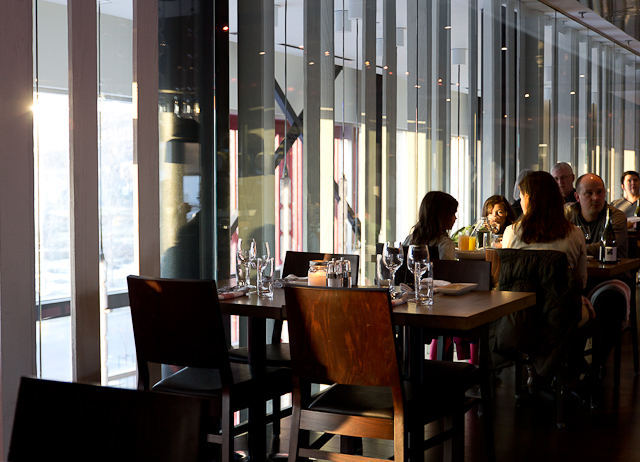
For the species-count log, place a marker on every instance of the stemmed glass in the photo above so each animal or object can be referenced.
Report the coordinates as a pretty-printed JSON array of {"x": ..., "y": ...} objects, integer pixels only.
[
  {"x": 392, "y": 258},
  {"x": 243, "y": 264},
  {"x": 586, "y": 230},
  {"x": 258, "y": 251},
  {"x": 418, "y": 263}
]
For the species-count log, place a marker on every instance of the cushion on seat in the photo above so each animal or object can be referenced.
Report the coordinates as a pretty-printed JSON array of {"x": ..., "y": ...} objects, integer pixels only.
[
  {"x": 444, "y": 382},
  {"x": 207, "y": 383},
  {"x": 278, "y": 354}
]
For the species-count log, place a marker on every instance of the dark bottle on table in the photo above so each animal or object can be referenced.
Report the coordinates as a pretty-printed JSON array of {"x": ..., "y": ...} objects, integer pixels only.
[
  {"x": 637, "y": 214},
  {"x": 608, "y": 249}
]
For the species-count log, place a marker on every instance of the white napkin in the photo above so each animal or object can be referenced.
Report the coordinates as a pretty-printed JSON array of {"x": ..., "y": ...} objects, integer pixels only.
[
  {"x": 402, "y": 300},
  {"x": 235, "y": 294},
  {"x": 423, "y": 285},
  {"x": 279, "y": 283}
]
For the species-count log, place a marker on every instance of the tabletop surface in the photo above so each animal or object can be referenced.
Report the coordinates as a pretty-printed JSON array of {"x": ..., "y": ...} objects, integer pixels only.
[
  {"x": 455, "y": 312},
  {"x": 595, "y": 268}
]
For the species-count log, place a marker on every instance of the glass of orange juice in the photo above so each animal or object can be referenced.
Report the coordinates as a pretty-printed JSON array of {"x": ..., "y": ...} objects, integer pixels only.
[
  {"x": 472, "y": 243},
  {"x": 463, "y": 242}
]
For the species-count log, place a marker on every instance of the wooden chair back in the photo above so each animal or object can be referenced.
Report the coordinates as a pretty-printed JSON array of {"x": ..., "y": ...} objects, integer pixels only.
[
  {"x": 473, "y": 271},
  {"x": 343, "y": 336},
  {"x": 297, "y": 263},
  {"x": 177, "y": 321},
  {"x": 79, "y": 422}
]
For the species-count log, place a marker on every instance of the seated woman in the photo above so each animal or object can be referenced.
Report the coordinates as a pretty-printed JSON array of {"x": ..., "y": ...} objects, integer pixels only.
[
  {"x": 543, "y": 226},
  {"x": 436, "y": 217},
  {"x": 498, "y": 212}
]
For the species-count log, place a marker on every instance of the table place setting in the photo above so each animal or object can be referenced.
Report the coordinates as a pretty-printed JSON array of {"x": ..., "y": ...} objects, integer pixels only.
[
  {"x": 227, "y": 293},
  {"x": 290, "y": 279}
]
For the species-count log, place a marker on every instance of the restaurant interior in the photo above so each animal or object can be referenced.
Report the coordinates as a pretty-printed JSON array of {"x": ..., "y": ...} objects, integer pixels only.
[{"x": 154, "y": 137}]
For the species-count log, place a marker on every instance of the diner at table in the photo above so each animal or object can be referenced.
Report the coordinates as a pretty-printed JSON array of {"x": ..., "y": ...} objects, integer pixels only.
[{"x": 534, "y": 314}]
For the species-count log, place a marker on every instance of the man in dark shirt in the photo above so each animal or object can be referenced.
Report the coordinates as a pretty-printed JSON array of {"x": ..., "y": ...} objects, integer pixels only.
[
  {"x": 631, "y": 195},
  {"x": 563, "y": 174},
  {"x": 591, "y": 211}
]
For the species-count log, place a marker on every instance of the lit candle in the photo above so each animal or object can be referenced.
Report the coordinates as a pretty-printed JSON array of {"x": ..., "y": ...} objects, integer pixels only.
[{"x": 318, "y": 278}]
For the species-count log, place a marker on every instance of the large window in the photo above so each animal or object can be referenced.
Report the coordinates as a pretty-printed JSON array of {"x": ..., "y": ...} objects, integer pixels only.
[{"x": 116, "y": 187}]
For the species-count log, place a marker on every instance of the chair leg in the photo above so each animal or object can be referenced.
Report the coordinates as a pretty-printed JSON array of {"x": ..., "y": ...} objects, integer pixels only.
[
  {"x": 560, "y": 396},
  {"x": 227, "y": 449},
  {"x": 457, "y": 454},
  {"x": 633, "y": 320},
  {"x": 519, "y": 370},
  {"x": 276, "y": 413},
  {"x": 617, "y": 349},
  {"x": 294, "y": 437},
  {"x": 257, "y": 430}
]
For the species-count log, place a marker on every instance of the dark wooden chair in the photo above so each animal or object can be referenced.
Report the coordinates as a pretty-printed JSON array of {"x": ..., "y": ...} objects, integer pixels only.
[
  {"x": 179, "y": 322},
  {"x": 548, "y": 330},
  {"x": 470, "y": 271},
  {"x": 345, "y": 338},
  {"x": 296, "y": 263},
  {"x": 79, "y": 422}
]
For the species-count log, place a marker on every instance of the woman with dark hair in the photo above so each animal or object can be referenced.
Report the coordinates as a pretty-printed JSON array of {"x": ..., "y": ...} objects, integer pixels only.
[
  {"x": 542, "y": 332},
  {"x": 436, "y": 217},
  {"x": 544, "y": 226},
  {"x": 499, "y": 212}
]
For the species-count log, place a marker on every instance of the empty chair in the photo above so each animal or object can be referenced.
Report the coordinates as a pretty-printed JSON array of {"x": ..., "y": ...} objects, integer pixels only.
[
  {"x": 78, "y": 422},
  {"x": 345, "y": 338},
  {"x": 296, "y": 263},
  {"x": 179, "y": 322}
]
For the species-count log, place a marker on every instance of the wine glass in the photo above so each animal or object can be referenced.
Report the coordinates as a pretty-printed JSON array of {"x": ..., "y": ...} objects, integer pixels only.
[
  {"x": 392, "y": 258},
  {"x": 258, "y": 251},
  {"x": 586, "y": 230},
  {"x": 243, "y": 263},
  {"x": 418, "y": 263}
]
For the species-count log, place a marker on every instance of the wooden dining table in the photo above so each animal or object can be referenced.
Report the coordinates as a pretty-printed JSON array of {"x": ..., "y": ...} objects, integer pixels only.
[{"x": 466, "y": 315}]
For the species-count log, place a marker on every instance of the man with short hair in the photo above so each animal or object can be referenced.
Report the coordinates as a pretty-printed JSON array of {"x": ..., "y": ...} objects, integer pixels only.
[
  {"x": 591, "y": 210},
  {"x": 563, "y": 174},
  {"x": 630, "y": 199}
]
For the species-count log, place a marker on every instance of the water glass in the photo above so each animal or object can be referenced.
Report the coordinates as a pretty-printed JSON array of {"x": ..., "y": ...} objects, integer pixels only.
[
  {"x": 429, "y": 281},
  {"x": 264, "y": 267},
  {"x": 382, "y": 273},
  {"x": 392, "y": 257},
  {"x": 243, "y": 263},
  {"x": 418, "y": 262},
  {"x": 586, "y": 230}
]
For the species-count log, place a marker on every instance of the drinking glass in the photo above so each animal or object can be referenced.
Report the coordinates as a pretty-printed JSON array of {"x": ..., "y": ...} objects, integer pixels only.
[
  {"x": 382, "y": 273},
  {"x": 392, "y": 258},
  {"x": 256, "y": 251},
  {"x": 264, "y": 280},
  {"x": 418, "y": 263},
  {"x": 586, "y": 230},
  {"x": 243, "y": 263}
]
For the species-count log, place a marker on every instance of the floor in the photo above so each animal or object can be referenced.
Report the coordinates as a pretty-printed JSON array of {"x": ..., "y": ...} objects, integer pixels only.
[{"x": 527, "y": 431}]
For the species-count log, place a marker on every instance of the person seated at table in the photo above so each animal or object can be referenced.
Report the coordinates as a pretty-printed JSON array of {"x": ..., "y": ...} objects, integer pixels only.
[
  {"x": 517, "y": 208},
  {"x": 591, "y": 210},
  {"x": 562, "y": 173},
  {"x": 436, "y": 217},
  {"x": 498, "y": 212},
  {"x": 630, "y": 201},
  {"x": 544, "y": 226}
]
